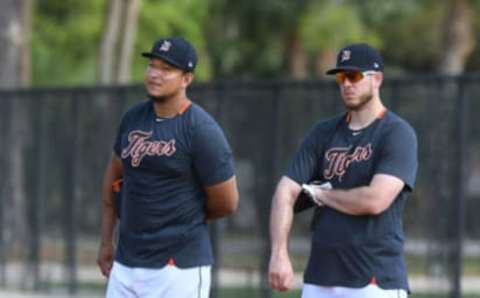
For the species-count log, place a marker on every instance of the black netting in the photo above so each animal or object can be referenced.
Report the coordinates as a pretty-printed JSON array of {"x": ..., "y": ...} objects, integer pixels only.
[{"x": 55, "y": 144}]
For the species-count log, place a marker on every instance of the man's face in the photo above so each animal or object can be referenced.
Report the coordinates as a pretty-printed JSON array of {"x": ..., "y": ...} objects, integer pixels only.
[
  {"x": 357, "y": 88},
  {"x": 163, "y": 80}
]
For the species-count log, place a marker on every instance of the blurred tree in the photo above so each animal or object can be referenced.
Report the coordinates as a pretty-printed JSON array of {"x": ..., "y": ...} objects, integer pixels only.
[
  {"x": 423, "y": 36},
  {"x": 65, "y": 41},
  {"x": 280, "y": 38},
  {"x": 249, "y": 38},
  {"x": 15, "y": 32},
  {"x": 128, "y": 40},
  {"x": 109, "y": 41},
  {"x": 458, "y": 39},
  {"x": 404, "y": 29},
  {"x": 172, "y": 18},
  {"x": 256, "y": 38},
  {"x": 330, "y": 25},
  {"x": 118, "y": 40}
]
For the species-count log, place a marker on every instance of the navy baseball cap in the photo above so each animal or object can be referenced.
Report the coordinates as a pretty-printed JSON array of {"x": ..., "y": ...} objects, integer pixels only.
[
  {"x": 358, "y": 57},
  {"x": 175, "y": 51}
]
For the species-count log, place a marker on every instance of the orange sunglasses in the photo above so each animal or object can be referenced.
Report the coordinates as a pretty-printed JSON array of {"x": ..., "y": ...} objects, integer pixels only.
[{"x": 351, "y": 76}]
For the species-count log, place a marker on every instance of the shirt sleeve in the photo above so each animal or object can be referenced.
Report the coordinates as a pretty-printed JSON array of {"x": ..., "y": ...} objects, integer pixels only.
[
  {"x": 399, "y": 155},
  {"x": 304, "y": 166},
  {"x": 212, "y": 156},
  {"x": 117, "y": 147}
]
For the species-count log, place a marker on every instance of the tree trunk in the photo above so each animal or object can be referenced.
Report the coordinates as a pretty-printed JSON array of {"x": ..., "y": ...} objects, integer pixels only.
[
  {"x": 297, "y": 56},
  {"x": 15, "y": 32},
  {"x": 459, "y": 39},
  {"x": 11, "y": 44},
  {"x": 108, "y": 45},
  {"x": 325, "y": 60},
  {"x": 26, "y": 47},
  {"x": 11, "y": 40},
  {"x": 128, "y": 42}
]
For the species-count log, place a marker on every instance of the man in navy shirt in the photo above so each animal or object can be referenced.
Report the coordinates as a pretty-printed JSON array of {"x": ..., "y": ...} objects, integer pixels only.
[
  {"x": 368, "y": 157},
  {"x": 177, "y": 171}
]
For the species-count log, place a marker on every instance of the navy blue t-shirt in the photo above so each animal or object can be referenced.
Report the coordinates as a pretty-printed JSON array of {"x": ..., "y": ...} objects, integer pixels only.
[
  {"x": 167, "y": 163},
  {"x": 350, "y": 250}
]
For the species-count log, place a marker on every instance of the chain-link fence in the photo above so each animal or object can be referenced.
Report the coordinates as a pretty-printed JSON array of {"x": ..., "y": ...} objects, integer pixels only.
[{"x": 55, "y": 144}]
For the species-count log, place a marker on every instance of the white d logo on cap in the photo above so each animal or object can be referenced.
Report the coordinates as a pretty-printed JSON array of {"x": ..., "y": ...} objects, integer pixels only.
[
  {"x": 346, "y": 55},
  {"x": 166, "y": 45}
]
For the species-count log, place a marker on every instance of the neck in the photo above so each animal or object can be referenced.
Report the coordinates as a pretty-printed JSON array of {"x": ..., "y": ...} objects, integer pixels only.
[
  {"x": 168, "y": 107},
  {"x": 363, "y": 117}
]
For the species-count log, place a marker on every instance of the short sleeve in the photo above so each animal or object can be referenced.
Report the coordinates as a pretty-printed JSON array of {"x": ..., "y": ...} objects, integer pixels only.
[
  {"x": 304, "y": 165},
  {"x": 117, "y": 147},
  {"x": 212, "y": 156},
  {"x": 398, "y": 155}
]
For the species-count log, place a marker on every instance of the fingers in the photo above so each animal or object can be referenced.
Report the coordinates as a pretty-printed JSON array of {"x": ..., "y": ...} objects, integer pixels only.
[
  {"x": 317, "y": 201},
  {"x": 311, "y": 191},
  {"x": 316, "y": 191},
  {"x": 280, "y": 281},
  {"x": 105, "y": 260},
  {"x": 280, "y": 274},
  {"x": 105, "y": 267}
]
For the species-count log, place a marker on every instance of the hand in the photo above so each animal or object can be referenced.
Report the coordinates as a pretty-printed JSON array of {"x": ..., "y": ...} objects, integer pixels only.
[
  {"x": 280, "y": 273},
  {"x": 316, "y": 192},
  {"x": 105, "y": 259}
]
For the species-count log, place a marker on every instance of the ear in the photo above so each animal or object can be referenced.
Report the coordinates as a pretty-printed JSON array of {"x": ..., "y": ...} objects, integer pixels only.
[
  {"x": 187, "y": 79},
  {"x": 378, "y": 79}
]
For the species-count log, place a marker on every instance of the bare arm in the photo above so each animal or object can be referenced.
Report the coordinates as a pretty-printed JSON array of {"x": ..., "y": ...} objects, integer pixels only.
[
  {"x": 222, "y": 198},
  {"x": 113, "y": 172},
  {"x": 280, "y": 269},
  {"x": 367, "y": 200}
]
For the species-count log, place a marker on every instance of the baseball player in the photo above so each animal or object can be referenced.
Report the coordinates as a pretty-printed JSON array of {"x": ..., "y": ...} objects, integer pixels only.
[
  {"x": 364, "y": 163},
  {"x": 177, "y": 171}
]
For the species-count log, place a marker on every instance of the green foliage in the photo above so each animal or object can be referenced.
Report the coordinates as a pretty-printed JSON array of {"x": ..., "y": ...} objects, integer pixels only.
[
  {"x": 328, "y": 24},
  {"x": 379, "y": 12},
  {"x": 169, "y": 18},
  {"x": 65, "y": 39},
  {"x": 239, "y": 39},
  {"x": 413, "y": 41},
  {"x": 247, "y": 38}
]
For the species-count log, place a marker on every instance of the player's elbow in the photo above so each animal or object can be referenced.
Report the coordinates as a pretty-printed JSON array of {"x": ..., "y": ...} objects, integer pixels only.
[
  {"x": 374, "y": 210},
  {"x": 231, "y": 204},
  {"x": 221, "y": 207},
  {"x": 377, "y": 205},
  {"x": 222, "y": 199}
]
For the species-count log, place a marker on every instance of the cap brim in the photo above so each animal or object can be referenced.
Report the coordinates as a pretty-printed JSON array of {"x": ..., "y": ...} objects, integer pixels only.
[
  {"x": 166, "y": 59},
  {"x": 344, "y": 68}
]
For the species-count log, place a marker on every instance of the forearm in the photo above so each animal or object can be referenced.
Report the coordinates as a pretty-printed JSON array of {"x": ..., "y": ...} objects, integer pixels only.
[
  {"x": 356, "y": 201},
  {"x": 109, "y": 220},
  {"x": 109, "y": 213},
  {"x": 113, "y": 172},
  {"x": 281, "y": 216},
  {"x": 372, "y": 199}
]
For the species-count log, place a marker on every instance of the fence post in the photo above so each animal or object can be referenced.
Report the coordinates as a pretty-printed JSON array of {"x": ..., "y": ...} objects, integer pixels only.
[
  {"x": 461, "y": 162},
  {"x": 5, "y": 121},
  {"x": 39, "y": 183},
  {"x": 69, "y": 198},
  {"x": 214, "y": 226},
  {"x": 272, "y": 163}
]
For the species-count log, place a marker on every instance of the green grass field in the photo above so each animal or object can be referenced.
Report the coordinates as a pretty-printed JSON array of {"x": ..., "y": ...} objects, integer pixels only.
[
  {"x": 99, "y": 289},
  {"x": 416, "y": 264},
  {"x": 255, "y": 293}
]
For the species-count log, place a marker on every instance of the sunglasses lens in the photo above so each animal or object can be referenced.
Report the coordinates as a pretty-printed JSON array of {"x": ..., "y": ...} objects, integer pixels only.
[
  {"x": 352, "y": 76},
  {"x": 355, "y": 76},
  {"x": 340, "y": 77}
]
